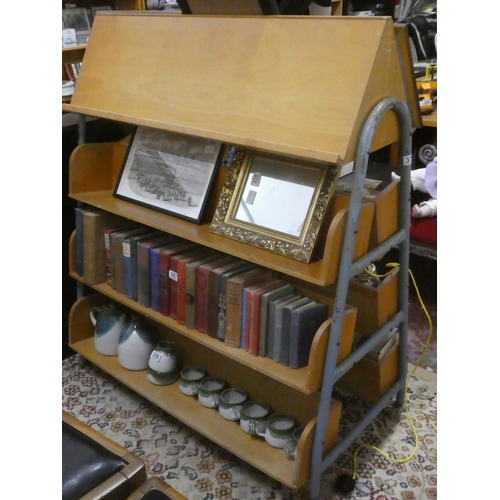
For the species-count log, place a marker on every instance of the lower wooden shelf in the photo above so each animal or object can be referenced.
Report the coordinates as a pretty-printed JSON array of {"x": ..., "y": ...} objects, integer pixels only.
[{"x": 253, "y": 450}]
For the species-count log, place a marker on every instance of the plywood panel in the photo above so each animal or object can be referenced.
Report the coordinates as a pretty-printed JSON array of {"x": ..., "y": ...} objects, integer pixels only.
[{"x": 294, "y": 85}]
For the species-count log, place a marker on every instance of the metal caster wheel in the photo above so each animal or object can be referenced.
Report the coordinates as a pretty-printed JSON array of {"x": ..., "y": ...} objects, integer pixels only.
[
  {"x": 427, "y": 153},
  {"x": 395, "y": 413}
]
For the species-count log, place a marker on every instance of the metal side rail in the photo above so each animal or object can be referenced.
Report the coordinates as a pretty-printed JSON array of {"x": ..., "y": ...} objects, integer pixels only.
[{"x": 347, "y": 270}]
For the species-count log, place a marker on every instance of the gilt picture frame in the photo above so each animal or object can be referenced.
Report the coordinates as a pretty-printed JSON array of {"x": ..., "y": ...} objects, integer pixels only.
[
  {"x": 275, "y": 202},
  {"x": 169, "y": 172}
]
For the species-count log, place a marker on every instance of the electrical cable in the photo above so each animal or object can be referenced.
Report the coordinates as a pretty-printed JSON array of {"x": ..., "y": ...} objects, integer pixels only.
[{"x": 348, "y": 483}]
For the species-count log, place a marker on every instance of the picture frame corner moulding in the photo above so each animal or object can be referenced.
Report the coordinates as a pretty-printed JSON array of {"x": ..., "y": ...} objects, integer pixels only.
[
  {"x": 169, "y": 172},
  {"x": 275, "y": 202}
]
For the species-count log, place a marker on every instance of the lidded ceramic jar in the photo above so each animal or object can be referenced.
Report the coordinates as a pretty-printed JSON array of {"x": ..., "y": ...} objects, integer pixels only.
[{"x": 162, "y": 364}]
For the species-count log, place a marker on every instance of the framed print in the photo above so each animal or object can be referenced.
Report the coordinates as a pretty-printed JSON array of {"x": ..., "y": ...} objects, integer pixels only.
[
  {"x": 169, "y": 172},
  {"x": 275, "y": 202},
  {"x": 78, "y": 20}
]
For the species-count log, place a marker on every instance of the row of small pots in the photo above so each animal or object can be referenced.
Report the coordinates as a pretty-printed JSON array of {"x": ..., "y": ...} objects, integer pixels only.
[{"x": 255, "y": 417}]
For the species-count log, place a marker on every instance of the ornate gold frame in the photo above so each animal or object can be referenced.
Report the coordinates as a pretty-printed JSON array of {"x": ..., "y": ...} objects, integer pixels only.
[{"x": 299, "y": 248}]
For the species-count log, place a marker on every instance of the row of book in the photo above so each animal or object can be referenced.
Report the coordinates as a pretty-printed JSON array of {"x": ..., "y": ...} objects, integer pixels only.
[{"x": 231, "y": 300}]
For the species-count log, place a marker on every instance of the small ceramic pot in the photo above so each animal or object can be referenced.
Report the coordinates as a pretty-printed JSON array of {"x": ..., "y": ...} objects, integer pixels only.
[
  {"x": 230, "y": 403},
  {"x": 162, "y": 364},
  {"x": 159, "y": 378},
  {"x": 252, "y": 413},
  {"x": 136, "y": 345},
  {"x": 163, "y": 359},
  {"x": 277, "y": 430},
  {"x": 210, "y": 390},
  {"x": 291, "y": 445},
  {"x": 109, "y": 320},
  {"x": 190, "y": 378}
]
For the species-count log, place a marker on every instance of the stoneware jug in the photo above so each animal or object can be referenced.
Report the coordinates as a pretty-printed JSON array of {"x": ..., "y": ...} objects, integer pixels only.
[
  {"x": 109, "y": 320},
  {"x": 136, "y": 344}
]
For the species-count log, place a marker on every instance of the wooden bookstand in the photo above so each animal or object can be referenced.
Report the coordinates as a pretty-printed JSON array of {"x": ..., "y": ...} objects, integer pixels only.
[{"x": 300, "y": 86}]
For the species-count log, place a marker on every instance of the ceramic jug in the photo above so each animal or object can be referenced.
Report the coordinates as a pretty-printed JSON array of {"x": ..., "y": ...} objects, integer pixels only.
[
  {"x": 136, "y": 344},
  {"x": 109, "y": 321}
]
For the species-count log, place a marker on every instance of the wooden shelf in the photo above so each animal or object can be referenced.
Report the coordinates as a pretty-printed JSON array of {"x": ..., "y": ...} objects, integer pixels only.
[
  {"x": 94, "y": 170},
  {"x": 306, "y": 380},
  {"x": 208, "y": 422}
]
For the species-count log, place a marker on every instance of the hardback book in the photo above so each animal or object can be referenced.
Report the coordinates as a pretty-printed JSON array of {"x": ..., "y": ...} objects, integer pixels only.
[
  {"x": 165, "y": 256},
  {"x": 107, "y": 247},
  {"x": 129, "y": 246},
  {"x": 177, "y": 269},
  {"x": 304, "y": 324},
  {"x": 234, "y": 298},
  {"x": 254, "y": 295},
  {"x": 144, "y": 248},
  {"x": 243, "y": 332},
  {"x": 202, "y": 290},
  {"x": 266, "y": 298},
  {"x": 116, "y": 254},
  {"x": 79, "y": 240},
  {"x": 190, "y": 287},
  {"x": 283, "y": 340},
  {"x": 154, "y": 256},
  {"x": 278, "y": 326},
  {"x": 271, "y": 319},
  {"x": 222, "y": 313},
  {"x": 95, "y": 221},
  {"x": 247, "y": 311},
  {"x": 214, "y": 277}
]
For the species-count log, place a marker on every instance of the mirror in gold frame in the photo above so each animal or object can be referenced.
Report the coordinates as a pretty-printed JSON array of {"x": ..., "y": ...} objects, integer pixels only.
[{"x": 275, "y": 202}]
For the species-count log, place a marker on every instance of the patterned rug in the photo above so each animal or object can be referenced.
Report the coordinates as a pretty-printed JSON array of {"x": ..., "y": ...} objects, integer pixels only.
[{"x": 201, "y": 470}]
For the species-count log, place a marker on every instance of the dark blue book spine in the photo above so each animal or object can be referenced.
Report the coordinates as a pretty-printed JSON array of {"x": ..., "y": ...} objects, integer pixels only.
[
  {"x": 155, "y": 279},
  {"x": 133, "y": 270}
]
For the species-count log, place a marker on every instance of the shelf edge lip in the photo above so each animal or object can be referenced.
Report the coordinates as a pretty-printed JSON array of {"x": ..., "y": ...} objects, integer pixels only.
[
  {"x": 100, "y": 288},
  {"x": 315, "y": 279},
  {"x": 331, "y": 157}
]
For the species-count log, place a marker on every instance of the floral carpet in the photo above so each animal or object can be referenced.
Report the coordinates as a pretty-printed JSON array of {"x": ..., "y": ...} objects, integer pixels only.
[{"x": 201, "y": 470}]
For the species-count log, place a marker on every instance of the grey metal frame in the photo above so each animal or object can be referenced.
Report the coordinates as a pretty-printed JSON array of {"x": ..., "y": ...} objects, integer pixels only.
[{"x": 347, "y": 270}]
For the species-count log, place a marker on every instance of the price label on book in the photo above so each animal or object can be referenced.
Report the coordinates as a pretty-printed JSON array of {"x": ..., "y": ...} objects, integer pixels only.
[
  {"x": 172, "y": 275},
  {"x": 126, "y": 249}
]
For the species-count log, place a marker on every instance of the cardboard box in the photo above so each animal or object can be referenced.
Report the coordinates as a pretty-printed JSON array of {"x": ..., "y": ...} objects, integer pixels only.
[
  {"x": 375, "y": 305},
  {"x": 368, "y": 379}
]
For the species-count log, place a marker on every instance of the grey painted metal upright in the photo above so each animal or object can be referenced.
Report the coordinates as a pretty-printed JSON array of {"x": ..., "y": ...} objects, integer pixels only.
[{"x": 347, "y": 270}]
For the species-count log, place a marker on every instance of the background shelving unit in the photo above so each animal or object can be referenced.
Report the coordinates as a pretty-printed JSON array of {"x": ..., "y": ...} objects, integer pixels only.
[
  {"x": 75, "y": 54},
  {"x": 257, "y": 92}
]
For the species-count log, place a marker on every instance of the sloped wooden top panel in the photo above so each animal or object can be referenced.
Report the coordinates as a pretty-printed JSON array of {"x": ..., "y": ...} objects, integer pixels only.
[{"x": 294, "y": 85}]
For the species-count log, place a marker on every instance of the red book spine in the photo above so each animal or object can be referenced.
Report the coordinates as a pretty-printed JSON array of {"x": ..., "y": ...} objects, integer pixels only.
[
  {"x": 172, "y": 284},
  {"x": 181, "y": 293},
  {"x": 202, "y": 299},
  {"x": 181, "y": 285},
  {"x": 253, "y": 328}
]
